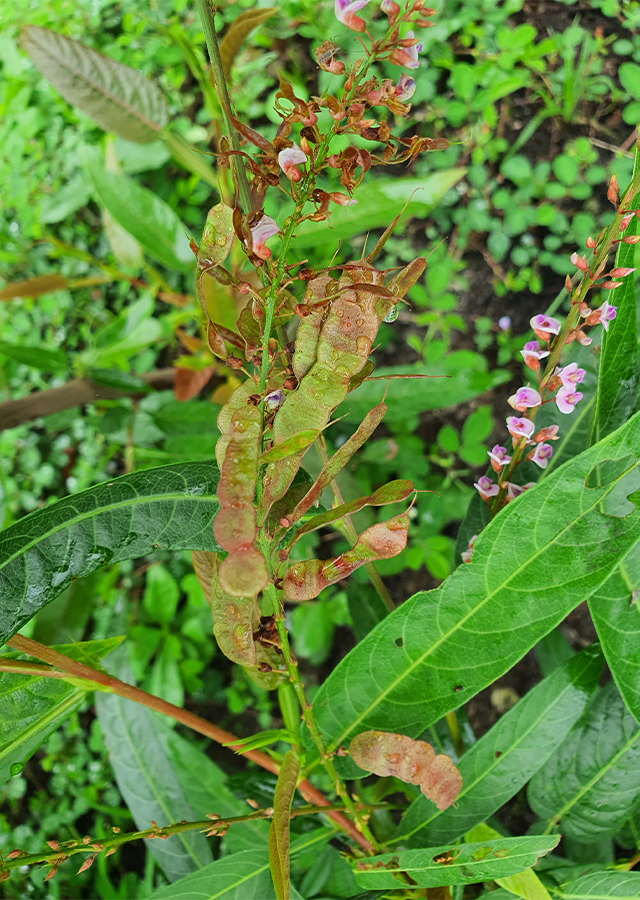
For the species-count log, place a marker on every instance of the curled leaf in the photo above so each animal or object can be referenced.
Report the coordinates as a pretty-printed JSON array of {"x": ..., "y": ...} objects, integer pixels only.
[
  {"x": 415, "y": 762},
  {"x": 238, "y": 31}
]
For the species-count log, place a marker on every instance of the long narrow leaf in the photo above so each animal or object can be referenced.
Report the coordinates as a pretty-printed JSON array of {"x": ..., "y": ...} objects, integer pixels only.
[{"x": 279, "y": 833}]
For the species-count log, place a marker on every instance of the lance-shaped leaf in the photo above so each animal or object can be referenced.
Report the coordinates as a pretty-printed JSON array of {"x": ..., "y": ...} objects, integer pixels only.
[
  {"x": 143, "y": 214},
  {"x": 290, "y": 447},
  {"x": 619, "y": 375},
  {"x": 563, "y": 547},
  {"x": 32, "y": 706},
  {"x": 238, "y": 31},
  {"x": 415, "y": 762},
  {"x": 601, "y": 886},
  {"x": 393, "y": 492},
  {"x": 118, "y": 98},
  {"x": 340, "y": 458},
  {"x": 508, "y": 755},
  {"x": 170, "y": 507},
  {"x": 616, "y": 615},
  {"x": 279, "y": 833},
  {"x": 34, "y": 287},
  {"x": 447, "y": 865},
  {"x": 591, "y": 785},
  {"x": 305, "y": 580}
]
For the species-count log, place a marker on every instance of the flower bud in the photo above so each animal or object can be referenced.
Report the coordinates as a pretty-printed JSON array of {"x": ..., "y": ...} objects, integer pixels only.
[{"x": 590, "y": 242}]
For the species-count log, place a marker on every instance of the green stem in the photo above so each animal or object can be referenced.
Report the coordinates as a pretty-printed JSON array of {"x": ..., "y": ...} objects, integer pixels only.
[{"x": 208, "y": 23}]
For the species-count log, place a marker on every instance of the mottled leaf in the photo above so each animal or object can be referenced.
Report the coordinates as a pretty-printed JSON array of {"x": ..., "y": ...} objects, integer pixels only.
[
  {"x": 170, "y": 507},
  {"x": 118, "y": 98},
  {"x": 448, "y": 865},
  {"x": 415, "y": 762}
]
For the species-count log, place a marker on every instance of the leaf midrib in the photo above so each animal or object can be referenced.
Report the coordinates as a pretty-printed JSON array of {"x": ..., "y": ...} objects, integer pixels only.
[
  {"x": 96, "y": 87},
  {"x": 406, "y": 672},
  {"x": 68, "y": 523}
]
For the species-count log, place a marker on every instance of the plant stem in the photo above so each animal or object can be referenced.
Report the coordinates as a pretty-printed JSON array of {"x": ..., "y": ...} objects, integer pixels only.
[
  {"x": 208, "y": 23},
  {"x": 219, "y": 735}
]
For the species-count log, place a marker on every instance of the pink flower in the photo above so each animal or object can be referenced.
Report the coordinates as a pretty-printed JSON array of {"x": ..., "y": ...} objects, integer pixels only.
[
  {"x": 514, "y": 490},
  {"x": 261, "y": 231},
  {"x": 544, "y": 326},
  {"x": 532, "y": 355},
  {"x": 541, "y": 455},
  {"x": 274, "y": 399},
  {"x": 519, "y": 427},
  {"x": 498, "y": 457},
  {"x": 571, "y": 374},
  {"x": 566, "y": 398},
  {"x": 607, "y": 314},
  {"x": 486, "y": 488},
  {"x": 467, "y": 554},
  {"x": 524, "y": 398},
  {"x": 405, "y": 89},
  {"x": 343, "y": 199},
  {"x": 346, "y": 13},
  {"x": 407, "y": 56},
  {"x": 550, "y": 433},
  {"x": 290, "y": 158}
]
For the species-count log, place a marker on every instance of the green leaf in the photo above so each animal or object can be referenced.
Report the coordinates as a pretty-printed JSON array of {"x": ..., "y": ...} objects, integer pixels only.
[
  {"x": 601, "y": 886},
  {"x": 144, "y": 215},
  {"x": 591, "y": 786},
  {"x": 118, "y": 98},
  {"x": 119, "y": 380},
  {"x": 34, "y": 287},
  {"x": 291, "y": 446},
  {"x": 170, "y": 507},
  {"x": 461, "y": 864},
  {"x": 38, "y": 357},
  {"x": 383, "y": 200},
  {"x": 192, "y": 160},
  {"x": 148, "y": 782},
  {"x": 31, "y": 707},
  {"x": 459, "y": 377},
  {"x": 566, "y": 548},
  {"x": 161, "y": 595},
  {"x": 279, "y": 834},
  {"x": 242, "y": 876},
  {"x": 238, "y": 31},
  {"x": 615, "y": 612},
  {"x": 508, "y": 755},
  {"x": 70, "y": 198},
  {"x": 620, "y": 360}
]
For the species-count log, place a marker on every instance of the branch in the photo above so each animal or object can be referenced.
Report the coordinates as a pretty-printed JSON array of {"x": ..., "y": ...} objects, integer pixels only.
[{"x": 219, "y": 735}]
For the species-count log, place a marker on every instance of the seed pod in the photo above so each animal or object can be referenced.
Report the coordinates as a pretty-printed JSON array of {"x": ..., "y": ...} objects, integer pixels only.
[
  {"x": 238, "y": 400},
  {"x": 244, "y": 572},
  {"x": 383, "y": 540},
  {"x": 414, "y": 762},
  {"x": 318, "y": 290},
  {"x": 235, "y": 619}
]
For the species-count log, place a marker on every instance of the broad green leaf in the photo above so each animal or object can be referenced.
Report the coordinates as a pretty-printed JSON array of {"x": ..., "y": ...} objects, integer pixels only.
[
  {"x": 380, "y": 202},
  {"x": 238, "y": 31},
  {"x": 279, "y": 833},
  {"x": 204, "y": 784},
  {"x": 143, "y": 214},
  {"x": 71, "y": 197},
  {"x": 620, "y": 360},
  {"x": 525, "y": 884},
  {"x": 32, "y": 706},
  {"x": 538, "y": 559},
  {"x": 34, "y": 287},
  {"x": 38, "y": 357},
  {"x": 601, "y": 886},
  {"x": 170, "y": 507},
  {"x": 508, "y": 755},
  {"x": 461, "y": 864},
  {"x": 459, "y": 377},
  {"x": 118, "y": 98},
  {"x": 241, "y": 876},
  {"x": 148, "y": 782},
  {"x": 591, "y": 785},
  {"x": 616, "y": 615}
]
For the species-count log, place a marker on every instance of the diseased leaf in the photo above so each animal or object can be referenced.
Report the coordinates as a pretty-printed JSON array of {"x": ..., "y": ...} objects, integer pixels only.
[
  {"x": 601, "y": 886},
  {"x": 591, "y": 785},
  {"x": 279, "y": 834},
  {"x": 33, "y": 706},
  {"x": 457, "y": 864},
  {"x": 170, "y": 507},
  {"x": 34, "y": 287},
  {"x": 497, "y": 766},
  {"x": 525, "y": 884},
  {"x": 238, "y": 31},
  {"x": 118, "y": 98},
  {"x": 415, "y": 762},
  {"x": 445, "y": 640},
  {"x": 204, "y": 565}
]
